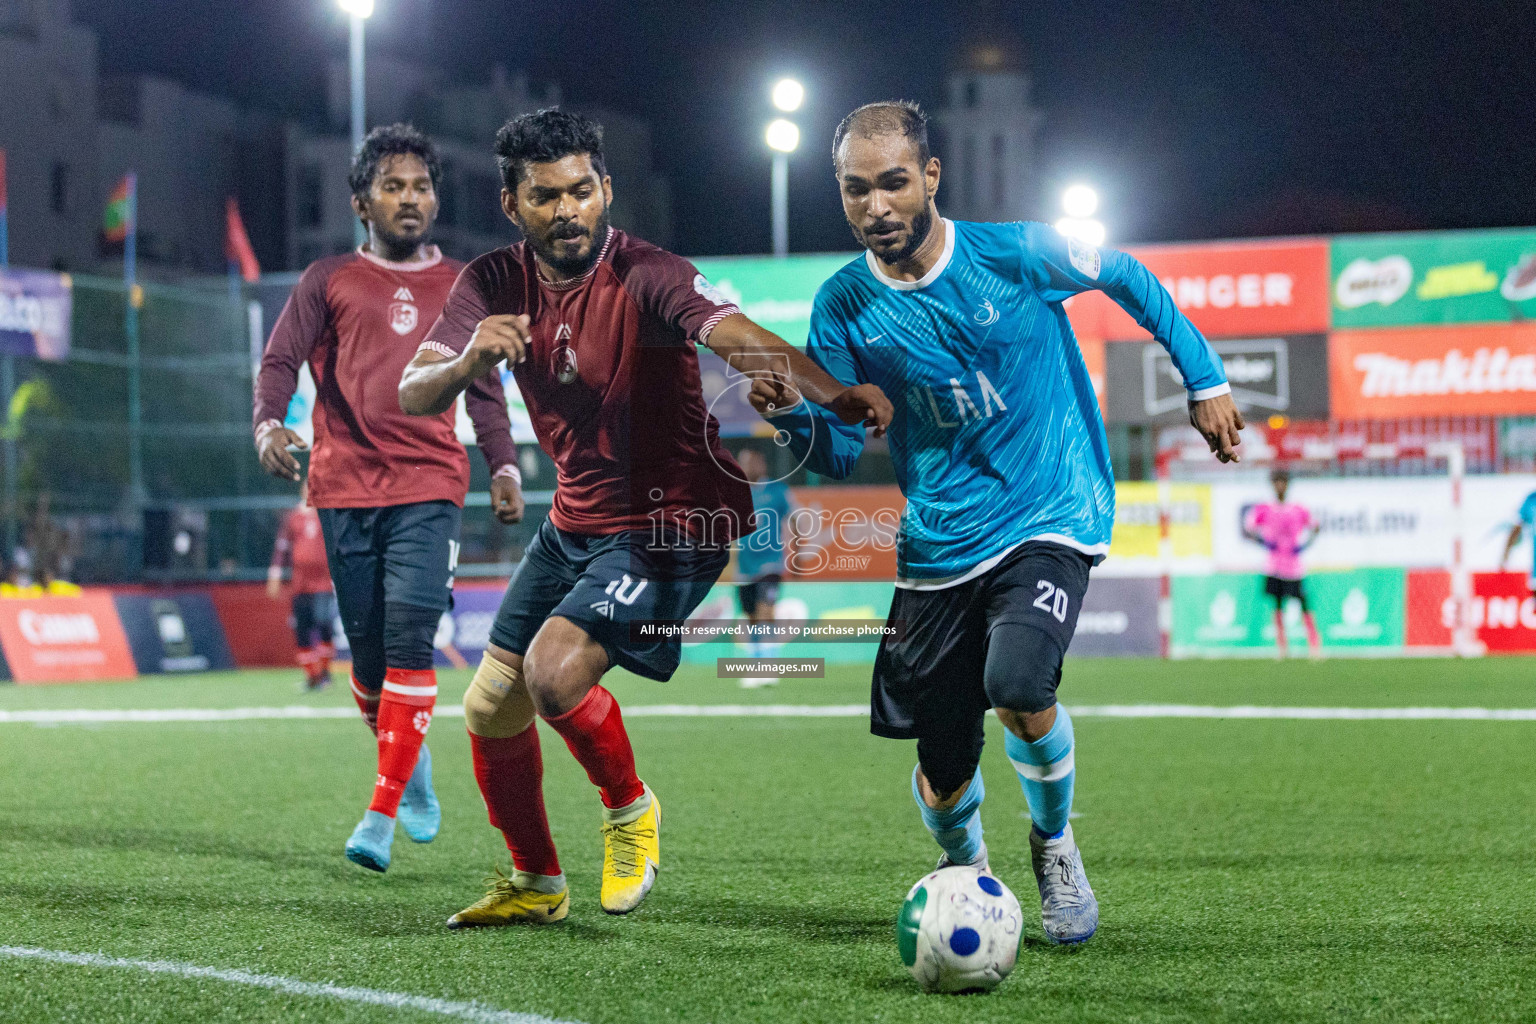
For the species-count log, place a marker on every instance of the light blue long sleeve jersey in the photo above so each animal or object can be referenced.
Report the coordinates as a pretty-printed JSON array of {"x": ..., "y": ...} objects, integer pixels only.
[{"x": 997, "y": 437}]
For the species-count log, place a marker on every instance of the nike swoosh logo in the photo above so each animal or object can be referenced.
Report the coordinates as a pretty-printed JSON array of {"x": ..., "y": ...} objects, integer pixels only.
[{"x": 871, "y": 341}]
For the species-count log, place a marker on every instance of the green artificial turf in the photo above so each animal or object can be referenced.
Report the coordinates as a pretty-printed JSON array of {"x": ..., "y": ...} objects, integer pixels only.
[{"x": 1248, "y": 870}]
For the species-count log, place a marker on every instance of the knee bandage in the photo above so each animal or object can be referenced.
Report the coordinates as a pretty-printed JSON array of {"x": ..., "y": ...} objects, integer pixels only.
[
  {"x": 1023, "y": 668},
  {"x": 497, "y": 704}
]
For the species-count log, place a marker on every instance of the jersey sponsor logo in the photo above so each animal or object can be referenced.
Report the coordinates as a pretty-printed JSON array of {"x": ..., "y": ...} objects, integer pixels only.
[
  {"x": 987, "y": 314},
  {"x": 709, "y": 291},
  {"x": 1084, "y": 257},
  {"x": 563, "y": 334},
  {"x": 402, "y": 317},
  {"x": 957, "y": 401},
  {"x": 404, "y": 294}
]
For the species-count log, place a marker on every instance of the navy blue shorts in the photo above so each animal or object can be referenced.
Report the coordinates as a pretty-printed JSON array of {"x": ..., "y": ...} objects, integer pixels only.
[
  {"x": 398, "y": 554},
  {"x": 932, "y": 682},
  {"x": 313, "y": 615},
  {"x": 603, "y": 584},
  {"x": 763, "y": 590}
]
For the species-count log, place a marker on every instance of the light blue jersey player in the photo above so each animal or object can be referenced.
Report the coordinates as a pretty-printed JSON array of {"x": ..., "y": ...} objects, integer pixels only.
[
  {"x": 999, "y": 447},
  {"x": 1525, "y": 522}
]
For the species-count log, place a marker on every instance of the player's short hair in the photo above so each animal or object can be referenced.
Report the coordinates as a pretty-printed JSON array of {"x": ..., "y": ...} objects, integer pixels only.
[
  {"x": 384, "y": 142},
  {"x": 543, "y": 137},
  {"x": 889, "y": 117}
]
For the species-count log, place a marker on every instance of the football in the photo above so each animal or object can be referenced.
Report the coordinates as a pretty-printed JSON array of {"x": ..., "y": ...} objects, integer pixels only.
[{"x": 959, "y": 930}]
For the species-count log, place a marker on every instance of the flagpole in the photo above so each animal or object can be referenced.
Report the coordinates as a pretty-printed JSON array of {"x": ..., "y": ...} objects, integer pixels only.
[{"x": 136, "y": 493}]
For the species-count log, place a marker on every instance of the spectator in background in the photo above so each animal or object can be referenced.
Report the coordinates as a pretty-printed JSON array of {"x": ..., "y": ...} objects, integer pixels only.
[
  {"x": 1285, "y": 528},
  {"x": 301, "y": 546}
]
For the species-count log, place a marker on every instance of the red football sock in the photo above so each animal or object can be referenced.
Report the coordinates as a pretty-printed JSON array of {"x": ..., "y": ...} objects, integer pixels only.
[
  {"x": 510, "y": 771},
  {"x": 1313, "y": 640},
  {"x": 1280, "y": 639},
  {"x": 405, "y": 712},
  {"x": 324, "y": 653},
  {"x": 307, "y": 659},
  {"x": 594, "y": 730},
  {"x": 368, "y": 704}
]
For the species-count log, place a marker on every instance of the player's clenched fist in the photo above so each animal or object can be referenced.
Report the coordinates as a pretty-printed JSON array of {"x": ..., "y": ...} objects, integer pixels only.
[
  {"x": 497, "y": 338},
  {"x": 866, "y": 404}
]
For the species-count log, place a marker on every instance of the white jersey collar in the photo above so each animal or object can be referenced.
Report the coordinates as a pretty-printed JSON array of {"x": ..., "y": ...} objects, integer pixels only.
[
  {"x": 434, "y": 257},
  {"x": 933, "y": 271}
]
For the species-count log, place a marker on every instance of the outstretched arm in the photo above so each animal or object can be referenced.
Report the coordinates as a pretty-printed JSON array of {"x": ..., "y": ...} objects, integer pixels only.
[
  {"x": 434, "y": 377},
  {"x": 1060, "y": 267},
  {"x": 783, "y": 374},
  {"x": 823, "y": 442}
]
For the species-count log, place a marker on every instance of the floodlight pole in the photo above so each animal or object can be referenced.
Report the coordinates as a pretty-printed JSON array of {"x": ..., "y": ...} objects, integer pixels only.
[
  {"x": 359, "y": 99},
  {"x": 781, "y": 204}
]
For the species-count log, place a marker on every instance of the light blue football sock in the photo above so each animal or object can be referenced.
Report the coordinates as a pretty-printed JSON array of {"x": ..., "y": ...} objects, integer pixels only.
[
  {"x": 1046, "y": 773},
  {"x": 958, "y": 829}
]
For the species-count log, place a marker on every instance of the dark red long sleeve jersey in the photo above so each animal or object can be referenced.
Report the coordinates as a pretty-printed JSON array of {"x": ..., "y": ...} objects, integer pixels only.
[
  {"x": 612, "y": 386},
  {"x": 301, "y": 544},
  {"x": 358, "y": 320}
]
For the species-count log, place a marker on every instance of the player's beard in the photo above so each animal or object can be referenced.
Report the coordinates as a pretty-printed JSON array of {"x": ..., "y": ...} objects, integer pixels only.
[
  {"x": 400, "y": 246},
  {"x": 922, "y": 223},
  {"x": 572, "y": 266}
]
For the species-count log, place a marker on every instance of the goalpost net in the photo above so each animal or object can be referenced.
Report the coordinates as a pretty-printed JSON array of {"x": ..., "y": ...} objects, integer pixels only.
[{"x": 1183, "y": 456}]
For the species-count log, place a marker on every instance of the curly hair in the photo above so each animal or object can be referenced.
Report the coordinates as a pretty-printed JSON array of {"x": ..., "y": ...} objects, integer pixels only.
[
  {"x": 543, "y": 137},
  {"x": 384, "y": 142}
]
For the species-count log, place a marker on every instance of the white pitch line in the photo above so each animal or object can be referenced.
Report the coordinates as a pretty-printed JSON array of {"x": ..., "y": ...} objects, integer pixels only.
[
  {"x": 1344, "y": 714},
  {"x": 477, "y": 1012},
  {"x": 102, "y": 716}
]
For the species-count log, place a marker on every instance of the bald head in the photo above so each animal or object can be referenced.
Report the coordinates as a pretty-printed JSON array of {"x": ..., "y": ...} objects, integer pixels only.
[{"x": 892, "y": 117}]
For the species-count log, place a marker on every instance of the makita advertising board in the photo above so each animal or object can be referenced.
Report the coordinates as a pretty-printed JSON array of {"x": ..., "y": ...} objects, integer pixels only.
[
  {"x": 1473, "y": 370},
  {"x": 1287, "y": 375}
]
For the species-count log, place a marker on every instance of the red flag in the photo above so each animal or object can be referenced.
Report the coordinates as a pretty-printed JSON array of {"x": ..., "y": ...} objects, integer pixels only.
[
  {"x": 237, "y": 244},
  {"x": 117, "y": 219}
]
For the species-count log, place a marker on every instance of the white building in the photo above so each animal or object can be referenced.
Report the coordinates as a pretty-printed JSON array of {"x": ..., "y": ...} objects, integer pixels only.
[{"x": 985, "y": 139}]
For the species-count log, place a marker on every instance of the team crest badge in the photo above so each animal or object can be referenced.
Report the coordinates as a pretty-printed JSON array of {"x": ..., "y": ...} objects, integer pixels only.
[
  {"x": 565, "y": 364},
  {"x": 402, "y": 317}
]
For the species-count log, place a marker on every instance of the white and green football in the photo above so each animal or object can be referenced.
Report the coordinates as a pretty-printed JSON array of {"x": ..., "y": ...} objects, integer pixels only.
[{"x": 959, "y": 930}]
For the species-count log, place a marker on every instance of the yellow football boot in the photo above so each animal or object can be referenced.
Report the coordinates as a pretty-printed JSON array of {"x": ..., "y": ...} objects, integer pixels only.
[
  {"x": 510, "y": 903},
  {"x": 631, "y": 855}
]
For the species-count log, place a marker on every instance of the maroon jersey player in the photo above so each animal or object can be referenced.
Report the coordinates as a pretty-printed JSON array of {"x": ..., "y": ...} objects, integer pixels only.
[
  {"x": 300, "y": 548},
  {"x": 599, "y": 329},
  {"x": 389, "y": 487}
]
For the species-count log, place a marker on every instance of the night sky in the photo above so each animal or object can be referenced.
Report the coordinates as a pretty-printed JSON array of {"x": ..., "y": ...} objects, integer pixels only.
[{"x": 1248, "y": 119}]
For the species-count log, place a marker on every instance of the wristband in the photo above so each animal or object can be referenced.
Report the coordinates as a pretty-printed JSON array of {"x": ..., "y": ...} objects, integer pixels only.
[{"x": 511, "y": 472}]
